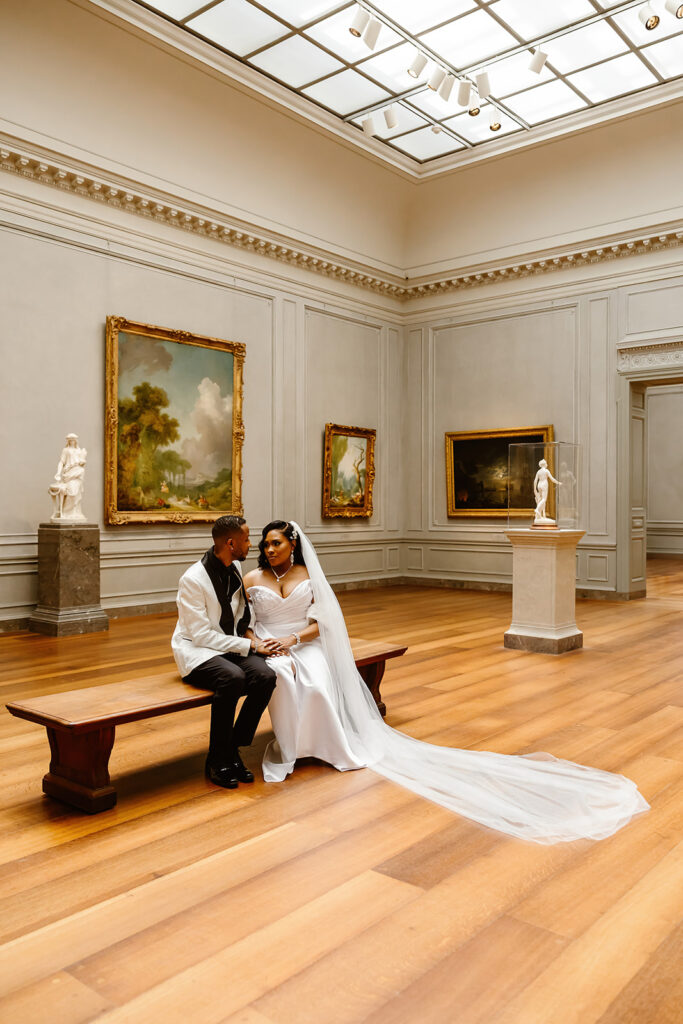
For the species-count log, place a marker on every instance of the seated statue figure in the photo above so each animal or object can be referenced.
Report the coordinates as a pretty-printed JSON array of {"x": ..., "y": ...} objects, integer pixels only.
[{"x": 67, "y": 489}]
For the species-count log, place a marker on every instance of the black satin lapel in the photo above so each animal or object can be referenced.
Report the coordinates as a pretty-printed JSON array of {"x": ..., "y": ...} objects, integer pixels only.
[{"x": 216, "y": 573}]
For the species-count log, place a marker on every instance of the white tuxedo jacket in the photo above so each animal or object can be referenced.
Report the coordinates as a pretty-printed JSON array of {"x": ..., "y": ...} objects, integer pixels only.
[{"x": 198, "y": 636}]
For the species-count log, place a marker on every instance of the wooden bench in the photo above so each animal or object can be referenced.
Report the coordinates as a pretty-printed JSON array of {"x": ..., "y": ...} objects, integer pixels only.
[{"x": 81, "y": 723}]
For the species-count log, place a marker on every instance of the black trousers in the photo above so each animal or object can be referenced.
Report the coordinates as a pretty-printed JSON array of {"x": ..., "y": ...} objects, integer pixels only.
[{"x": 230, "y": 677}]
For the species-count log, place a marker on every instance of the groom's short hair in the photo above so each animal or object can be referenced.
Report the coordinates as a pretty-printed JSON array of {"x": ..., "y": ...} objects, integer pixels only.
[{"x": 227, "y": 526}]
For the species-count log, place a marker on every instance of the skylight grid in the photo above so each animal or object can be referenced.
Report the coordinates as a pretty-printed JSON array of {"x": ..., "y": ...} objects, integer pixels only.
[{"x": 592, "y": 52}]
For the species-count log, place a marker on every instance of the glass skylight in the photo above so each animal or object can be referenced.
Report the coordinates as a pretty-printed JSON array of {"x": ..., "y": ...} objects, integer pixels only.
[
  {"x": 425, "y": 145},
  {"x": 477, "y": 129},
  {"x": 585, "y": 46},
  {"x": 545, "y": 102},
  {"x": 238, "y": 26},
  {"x": 613, "y": 78},
  {"x": 296, "y": 61},
  {"x": 334, "y": 34},
  {"x": 597, "y": 52},
  {"x": 408, "y": 120},
  {"x": 667, "y": 57},
  {"x": 346, "y": 91},
  {"x": 531, "y": 18},
  {"x": 469, "y": 39},
  {"x": 391, "y": 68}
]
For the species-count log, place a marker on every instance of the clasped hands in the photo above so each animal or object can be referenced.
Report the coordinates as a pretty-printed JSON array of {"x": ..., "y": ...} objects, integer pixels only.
[{"x": 274, "y": 647}]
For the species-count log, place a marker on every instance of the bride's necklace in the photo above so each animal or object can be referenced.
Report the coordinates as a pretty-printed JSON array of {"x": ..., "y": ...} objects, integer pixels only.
[{"x": 281, "y": 576}]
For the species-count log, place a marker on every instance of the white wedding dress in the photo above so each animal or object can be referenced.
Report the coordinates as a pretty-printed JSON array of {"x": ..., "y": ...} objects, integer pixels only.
[
  {"x": 305, "y": 720},
  {"x": 322, "y": 708}
]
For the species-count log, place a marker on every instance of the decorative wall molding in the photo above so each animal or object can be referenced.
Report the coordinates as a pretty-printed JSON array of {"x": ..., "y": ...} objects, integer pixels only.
[
  {"x": 50, "y": 169},
  {"x": 655, "y": 356}
]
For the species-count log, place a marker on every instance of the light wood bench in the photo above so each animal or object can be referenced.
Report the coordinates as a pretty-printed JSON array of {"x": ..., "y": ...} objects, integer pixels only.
[{"x": 81, "y": 723}]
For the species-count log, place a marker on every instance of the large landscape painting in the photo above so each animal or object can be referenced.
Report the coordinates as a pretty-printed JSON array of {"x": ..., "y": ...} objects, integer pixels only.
[
  {"x": 174, "y": 425},
  {"x": 477, "y": 472}
]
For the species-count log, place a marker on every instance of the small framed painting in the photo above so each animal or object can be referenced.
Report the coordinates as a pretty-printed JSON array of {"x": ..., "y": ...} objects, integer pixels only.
[
  {"x": 477, "y": 469},
  {"x": 348, "y": 471},
  {"x": 173, "y": 431}
]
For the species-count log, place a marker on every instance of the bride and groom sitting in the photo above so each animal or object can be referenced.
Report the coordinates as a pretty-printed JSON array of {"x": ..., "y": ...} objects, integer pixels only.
[
  {"x": 278, "y": 639},
  {"x": 257, "y": 637}
]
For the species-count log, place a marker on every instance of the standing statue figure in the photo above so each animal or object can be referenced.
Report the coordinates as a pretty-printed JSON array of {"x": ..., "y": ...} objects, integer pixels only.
[
  {"x": 541, "y": 494},
  {"x": 67, "y": 490}
]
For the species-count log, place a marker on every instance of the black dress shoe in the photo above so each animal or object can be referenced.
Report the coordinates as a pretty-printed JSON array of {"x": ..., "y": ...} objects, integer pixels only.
[
  {"x": 239, "y": 768},
  {"x": 225, "y": 776}
]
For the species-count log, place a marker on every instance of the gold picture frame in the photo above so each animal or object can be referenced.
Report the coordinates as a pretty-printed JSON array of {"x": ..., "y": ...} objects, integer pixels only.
[
  {"x": 477, "y": 467},
  {"x": 169, "y": 387},
  {"x": 349, "y": 454}
]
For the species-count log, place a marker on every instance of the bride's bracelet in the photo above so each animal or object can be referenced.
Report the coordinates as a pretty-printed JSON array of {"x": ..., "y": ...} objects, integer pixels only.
[{"x": 297, "y": 637}]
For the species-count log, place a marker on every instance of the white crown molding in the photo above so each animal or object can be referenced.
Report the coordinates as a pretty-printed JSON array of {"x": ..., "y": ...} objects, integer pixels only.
[
  {"x": 49, "y": 168},
  {"x": 149, "y": 23}
]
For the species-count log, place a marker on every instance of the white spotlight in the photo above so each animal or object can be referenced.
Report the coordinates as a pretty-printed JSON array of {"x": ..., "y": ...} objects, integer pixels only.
[
  {"x": 648, "y": 17},
  {"x": 464, "y": 90},
  {"x": 368, "y": 125},
  {"x": 436, "y": 79},
  {"x": 371, "y": 34},
  {"x": 390, "y": 118},
  {"x": 483, "y": 85},
  {"x": 475, "y": 109},
  {"x": 447, "y": 87},
  {"x": 437, "y": 129},
  {"x": 418, "y": 65},
  {"x": 674, "y": 7},
  {"x": 359, "y": 23},
  {"x": 537, "y": 61},
  {"x": 494, "y": 123}
]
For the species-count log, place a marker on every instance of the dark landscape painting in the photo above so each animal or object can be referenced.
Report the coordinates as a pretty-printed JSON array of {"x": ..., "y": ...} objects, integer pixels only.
[{"x": 477, "y": 471}]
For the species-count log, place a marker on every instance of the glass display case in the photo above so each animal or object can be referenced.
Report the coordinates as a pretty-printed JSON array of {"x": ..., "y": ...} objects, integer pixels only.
[{"x": 544, "y": 486}]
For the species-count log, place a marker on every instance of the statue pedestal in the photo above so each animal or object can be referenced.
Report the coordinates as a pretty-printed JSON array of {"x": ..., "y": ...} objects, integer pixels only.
[
  {"x": 68, "y": 580},
  {"x": 544, "y": 591}
]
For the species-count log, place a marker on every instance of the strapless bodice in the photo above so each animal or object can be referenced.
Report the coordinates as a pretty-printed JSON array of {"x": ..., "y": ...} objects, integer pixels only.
[{"x": 279, "y": 614}]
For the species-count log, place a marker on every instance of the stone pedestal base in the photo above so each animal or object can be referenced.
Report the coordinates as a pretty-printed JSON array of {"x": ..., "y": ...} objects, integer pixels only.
[
  {"x": 544, "y": 591},
  {"x": 68, "y": 581}
]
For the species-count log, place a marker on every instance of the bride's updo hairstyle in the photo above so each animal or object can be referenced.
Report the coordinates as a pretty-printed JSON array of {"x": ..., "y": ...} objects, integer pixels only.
[{"x": 288, "y": 530}]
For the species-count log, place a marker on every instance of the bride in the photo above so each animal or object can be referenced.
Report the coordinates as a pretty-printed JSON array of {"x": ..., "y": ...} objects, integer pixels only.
[{"x": 322, "y": 708}]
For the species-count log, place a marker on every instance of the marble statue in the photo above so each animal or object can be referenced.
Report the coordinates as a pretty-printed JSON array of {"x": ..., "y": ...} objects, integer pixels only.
[
  {"x": 67, "y": 489},
  {"x": 543, "y": 476}
]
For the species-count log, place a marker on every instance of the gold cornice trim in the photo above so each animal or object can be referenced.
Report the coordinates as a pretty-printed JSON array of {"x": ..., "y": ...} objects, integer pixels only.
[{"x": 50, "y": 169}]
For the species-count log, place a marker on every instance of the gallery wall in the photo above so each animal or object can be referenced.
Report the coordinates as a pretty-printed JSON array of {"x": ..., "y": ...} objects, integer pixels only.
[{"x": 542, "y": 348}]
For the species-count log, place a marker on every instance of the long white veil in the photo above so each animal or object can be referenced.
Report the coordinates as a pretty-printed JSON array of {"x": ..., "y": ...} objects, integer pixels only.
[{"x": 531, "y": 796}]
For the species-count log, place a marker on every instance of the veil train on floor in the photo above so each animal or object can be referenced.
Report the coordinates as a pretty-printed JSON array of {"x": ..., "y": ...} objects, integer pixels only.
[{"x": 536, "y": 797}]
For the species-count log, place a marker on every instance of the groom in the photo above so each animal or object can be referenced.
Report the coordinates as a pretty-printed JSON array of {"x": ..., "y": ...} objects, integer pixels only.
[{"x": 214, "y": 649}]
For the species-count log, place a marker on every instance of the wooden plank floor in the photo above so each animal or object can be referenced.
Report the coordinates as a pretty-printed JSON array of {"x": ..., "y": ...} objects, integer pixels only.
[{"x": 335, "y": 898}]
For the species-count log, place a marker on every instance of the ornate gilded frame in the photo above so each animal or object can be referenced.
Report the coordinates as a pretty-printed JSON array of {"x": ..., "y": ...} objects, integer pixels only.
[
  {"x": 330, "y": 510},
  {"x": 113, "y": 515},
  {"x": 513, "y": 436}
]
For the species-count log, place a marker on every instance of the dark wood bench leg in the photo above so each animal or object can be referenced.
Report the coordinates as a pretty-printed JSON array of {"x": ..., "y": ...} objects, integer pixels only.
[
  {"x": 79, "y": 773},
  {"x": 372, "y": 676}
]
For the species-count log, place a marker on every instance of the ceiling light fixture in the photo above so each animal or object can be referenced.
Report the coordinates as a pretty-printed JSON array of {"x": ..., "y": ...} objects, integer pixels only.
[
  {"x": 371, "y": 34},
  {"x": 475, "y": 109},
  {"x": 674, "y": 7},
  {"x": 418, "y": 65},
  {"x": 436, "y": 79},
  {"x": 368, "y": 126},
  {"x": 464, "y": 90},
  {"x": 494, "y": 123},
  {"x": 437, "y": 129},
  {"x": 537, "y": 61},
  {"x": 648, "y": 17},
  {"x": 359, "y": 23},
  {"x": 483, "y": 85},
  {"x": 390, "y": 118},
  {"x": 447, "y": 87}
]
